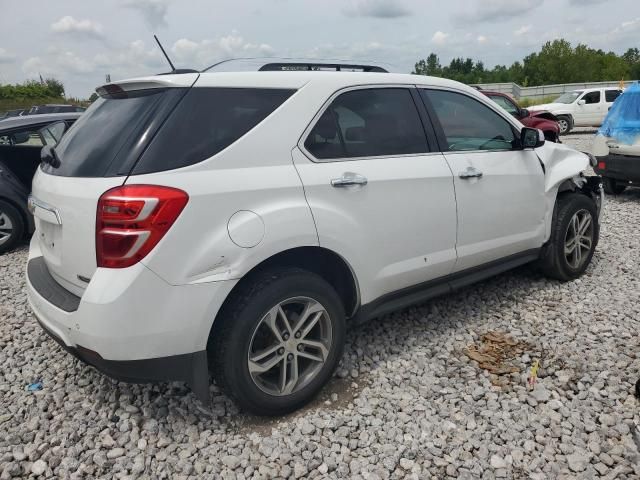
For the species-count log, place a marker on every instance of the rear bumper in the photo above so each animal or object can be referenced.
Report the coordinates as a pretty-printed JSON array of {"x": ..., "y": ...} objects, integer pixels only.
[
  {"x": 129, "y": 323},
  {"x": 619, "y": 167},
  {"x": 191, "y": 368}
]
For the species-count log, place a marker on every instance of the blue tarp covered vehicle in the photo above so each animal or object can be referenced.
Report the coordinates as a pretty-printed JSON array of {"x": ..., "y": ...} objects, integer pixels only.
[{"x": 617, "y": 144}]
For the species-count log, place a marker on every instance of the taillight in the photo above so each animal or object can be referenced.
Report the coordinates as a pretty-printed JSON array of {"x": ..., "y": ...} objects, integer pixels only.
[
  {"x": 132, "y": 219},
  {"x": 602, "y": 165}
]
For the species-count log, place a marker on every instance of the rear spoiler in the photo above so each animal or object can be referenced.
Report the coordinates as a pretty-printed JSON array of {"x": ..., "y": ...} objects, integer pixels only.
[{"x": 145, "y": 83}]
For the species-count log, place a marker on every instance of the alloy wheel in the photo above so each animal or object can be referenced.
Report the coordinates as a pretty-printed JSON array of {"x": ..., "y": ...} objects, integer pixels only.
[
  {"x": 564, "y": 125},
  {"x": 289, "y": 346},
  {"x": 578, "y": 240},
  {"x": 6, "y": 228}
]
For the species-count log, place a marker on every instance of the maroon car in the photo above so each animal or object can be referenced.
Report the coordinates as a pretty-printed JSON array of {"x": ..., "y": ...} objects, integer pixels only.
[{"x": 545, "y": 121}]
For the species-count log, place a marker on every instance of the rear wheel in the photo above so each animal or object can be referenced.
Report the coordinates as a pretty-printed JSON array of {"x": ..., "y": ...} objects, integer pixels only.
[
  {"x": 281, "y": 339},
  {"x": 11, "y": 226},
  {"x": 612, "y": 187},
  {"x": 564, "y": 122},
  {"x": 574, "y": 236}
]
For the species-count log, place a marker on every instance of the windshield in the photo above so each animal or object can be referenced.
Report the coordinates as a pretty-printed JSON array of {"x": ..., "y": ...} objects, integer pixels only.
[{"x": 568, "y": 97}]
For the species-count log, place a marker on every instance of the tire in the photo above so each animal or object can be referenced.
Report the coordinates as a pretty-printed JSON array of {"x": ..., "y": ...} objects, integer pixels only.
[
  {"x": 564, "y": 122},
  {"x": 11, "y": 227},
  {"x": 554, "y": 261},
  {"x": 612, "y": 187},
  {"x": 638, "y": 388},
  {"x": 246, "y": 333},
  {"x": 551, "y": 136}
]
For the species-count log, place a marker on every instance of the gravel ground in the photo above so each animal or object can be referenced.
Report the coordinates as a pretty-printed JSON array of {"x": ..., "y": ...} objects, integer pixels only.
[{"x": 407, "y": 401}]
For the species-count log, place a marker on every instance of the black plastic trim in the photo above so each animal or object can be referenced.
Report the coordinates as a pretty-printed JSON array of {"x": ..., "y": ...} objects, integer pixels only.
[
  {"x": 48, "y": 288},
  {"x": 191, "y": 368},
  {"x": 434, "y": 288},
  {"x": 620, "y": 167}
]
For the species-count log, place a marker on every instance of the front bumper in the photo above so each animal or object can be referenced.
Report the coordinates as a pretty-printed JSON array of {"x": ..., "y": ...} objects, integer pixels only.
[{"x": 619, "y": 167}]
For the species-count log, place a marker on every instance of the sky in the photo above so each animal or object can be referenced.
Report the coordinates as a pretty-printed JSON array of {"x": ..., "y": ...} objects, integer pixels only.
[{"x": 80, "y": 41}]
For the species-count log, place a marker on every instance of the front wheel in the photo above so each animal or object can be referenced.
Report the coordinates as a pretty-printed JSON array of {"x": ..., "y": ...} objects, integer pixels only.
[
  {"x": 564, "y": 123},
  {"x": 281, "y": 338},
  {"x": 612, "y": 187},
  {"x": 574, "y": 236}
]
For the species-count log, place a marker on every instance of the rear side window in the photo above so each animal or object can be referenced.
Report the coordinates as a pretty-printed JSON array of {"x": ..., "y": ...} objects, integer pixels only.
[
  {"x": 468, "y": 124},
  {"x": 207, "y": 121},
  {"x": 611, "y": 95},
  {"x": 368, "y": 123},
  {"x": 107, "y": 139}
]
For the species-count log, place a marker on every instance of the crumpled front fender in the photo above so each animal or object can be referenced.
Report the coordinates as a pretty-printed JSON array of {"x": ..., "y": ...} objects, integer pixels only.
[{"x": 560, "y": 163}]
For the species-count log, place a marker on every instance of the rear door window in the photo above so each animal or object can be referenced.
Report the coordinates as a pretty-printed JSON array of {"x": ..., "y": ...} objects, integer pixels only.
[
  {"x": 368, "y": 123},
  {"x": 206, "y": 122},
  {"x": 592, "y": 97}
]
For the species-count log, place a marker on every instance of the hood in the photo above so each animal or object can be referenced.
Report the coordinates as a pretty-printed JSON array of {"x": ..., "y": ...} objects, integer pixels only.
[
  {"x": 547, "y": 106},
  {"x": 543, "y": 114}
]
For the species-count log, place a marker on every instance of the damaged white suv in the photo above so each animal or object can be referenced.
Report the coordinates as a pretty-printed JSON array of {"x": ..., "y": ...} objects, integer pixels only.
[{"x": 235, "y": 223}]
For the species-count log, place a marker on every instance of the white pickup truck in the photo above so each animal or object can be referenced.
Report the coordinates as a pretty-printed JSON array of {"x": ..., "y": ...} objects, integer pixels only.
[{"x": 580, "y": 108}]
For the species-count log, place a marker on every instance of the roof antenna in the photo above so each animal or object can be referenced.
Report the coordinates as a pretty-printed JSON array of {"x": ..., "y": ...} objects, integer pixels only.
[{"x": 173, "y": 69}]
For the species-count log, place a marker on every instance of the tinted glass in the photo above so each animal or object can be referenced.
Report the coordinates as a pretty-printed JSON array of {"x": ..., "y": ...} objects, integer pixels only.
[
  {"x": 206, "y": 121},
  {"x": 467, "y": 124},
  {"x": 368, "y": 123},
  {"x": 506, "y": 104},
  {"x": 592, "y": 97},
  {"x": 113, "y": 129},
  {"x": 611, "y": 95}
]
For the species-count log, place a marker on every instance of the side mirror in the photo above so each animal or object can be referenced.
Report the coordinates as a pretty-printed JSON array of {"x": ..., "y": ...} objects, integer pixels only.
[
  {"x": 531, "y": 138},
  {"x": 582, "y": 102},
  {"x": 524, "y": 113}
]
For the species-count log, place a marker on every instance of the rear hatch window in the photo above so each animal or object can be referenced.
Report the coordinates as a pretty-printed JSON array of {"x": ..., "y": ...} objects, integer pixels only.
[
  {"x": 109, "y": 137},
  {"x": 154, "y": 130}
]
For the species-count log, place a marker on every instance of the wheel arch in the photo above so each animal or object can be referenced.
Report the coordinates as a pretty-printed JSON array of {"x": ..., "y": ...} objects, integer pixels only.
[{"x": 324, "y": 262}]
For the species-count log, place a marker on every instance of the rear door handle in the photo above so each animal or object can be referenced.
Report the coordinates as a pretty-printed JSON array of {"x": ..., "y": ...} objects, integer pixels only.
[
  {"x": 349, "y": 179},
  {"x": 470, "y": 172}
]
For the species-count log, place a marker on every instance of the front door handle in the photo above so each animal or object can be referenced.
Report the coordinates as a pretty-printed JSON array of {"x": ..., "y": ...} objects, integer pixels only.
[
  {"x": 349, "y": 179},
  {"x": 470, "y": 172}
]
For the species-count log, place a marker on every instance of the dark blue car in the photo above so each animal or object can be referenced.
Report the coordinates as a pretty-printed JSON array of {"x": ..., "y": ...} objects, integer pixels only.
[{"x": 21, "y": 140}]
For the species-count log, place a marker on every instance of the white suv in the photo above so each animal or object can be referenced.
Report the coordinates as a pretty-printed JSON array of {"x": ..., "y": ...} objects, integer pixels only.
[
  {"x": 580, "y": 108},
  {"x": 234, "y": 223}
]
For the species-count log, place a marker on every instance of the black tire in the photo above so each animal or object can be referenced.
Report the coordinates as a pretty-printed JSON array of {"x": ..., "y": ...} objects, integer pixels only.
[
  {"x": 10, "y": 217},
  {"x": 231, "y": 341},
  {"x": 551, "y": 136},
  {"x": 612, "y": 187},
  {"x": 564, "y": 122},
  {"x": 553, "y": 261},
  {"x": 638, "y": 388}
]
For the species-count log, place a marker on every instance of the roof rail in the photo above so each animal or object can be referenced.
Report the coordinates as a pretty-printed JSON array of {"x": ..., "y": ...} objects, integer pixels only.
[
  {"x": 264, "y": 64},
  {"x": 296, "y": 66}
]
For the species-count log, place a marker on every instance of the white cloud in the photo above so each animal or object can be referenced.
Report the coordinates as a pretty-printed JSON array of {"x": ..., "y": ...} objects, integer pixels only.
[
  {"x": 377, "y": 9},
  {"x": 522, "y": 30},
  {"x": 6, "y": 56},
  {"x": 154, "y": 12},
  {"x": 193, "y": 54},
  {"x": 84, "y": 27},
  {"x": 498, "y": 10},
  {"x": 439, "y": 38},
  {"x": 482, "y": 39}
]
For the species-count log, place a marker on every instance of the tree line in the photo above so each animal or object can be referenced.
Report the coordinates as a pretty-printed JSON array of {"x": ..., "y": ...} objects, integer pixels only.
[
  {"x": 556, "y": 62},
  {"x": 47, "y": 88}
]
